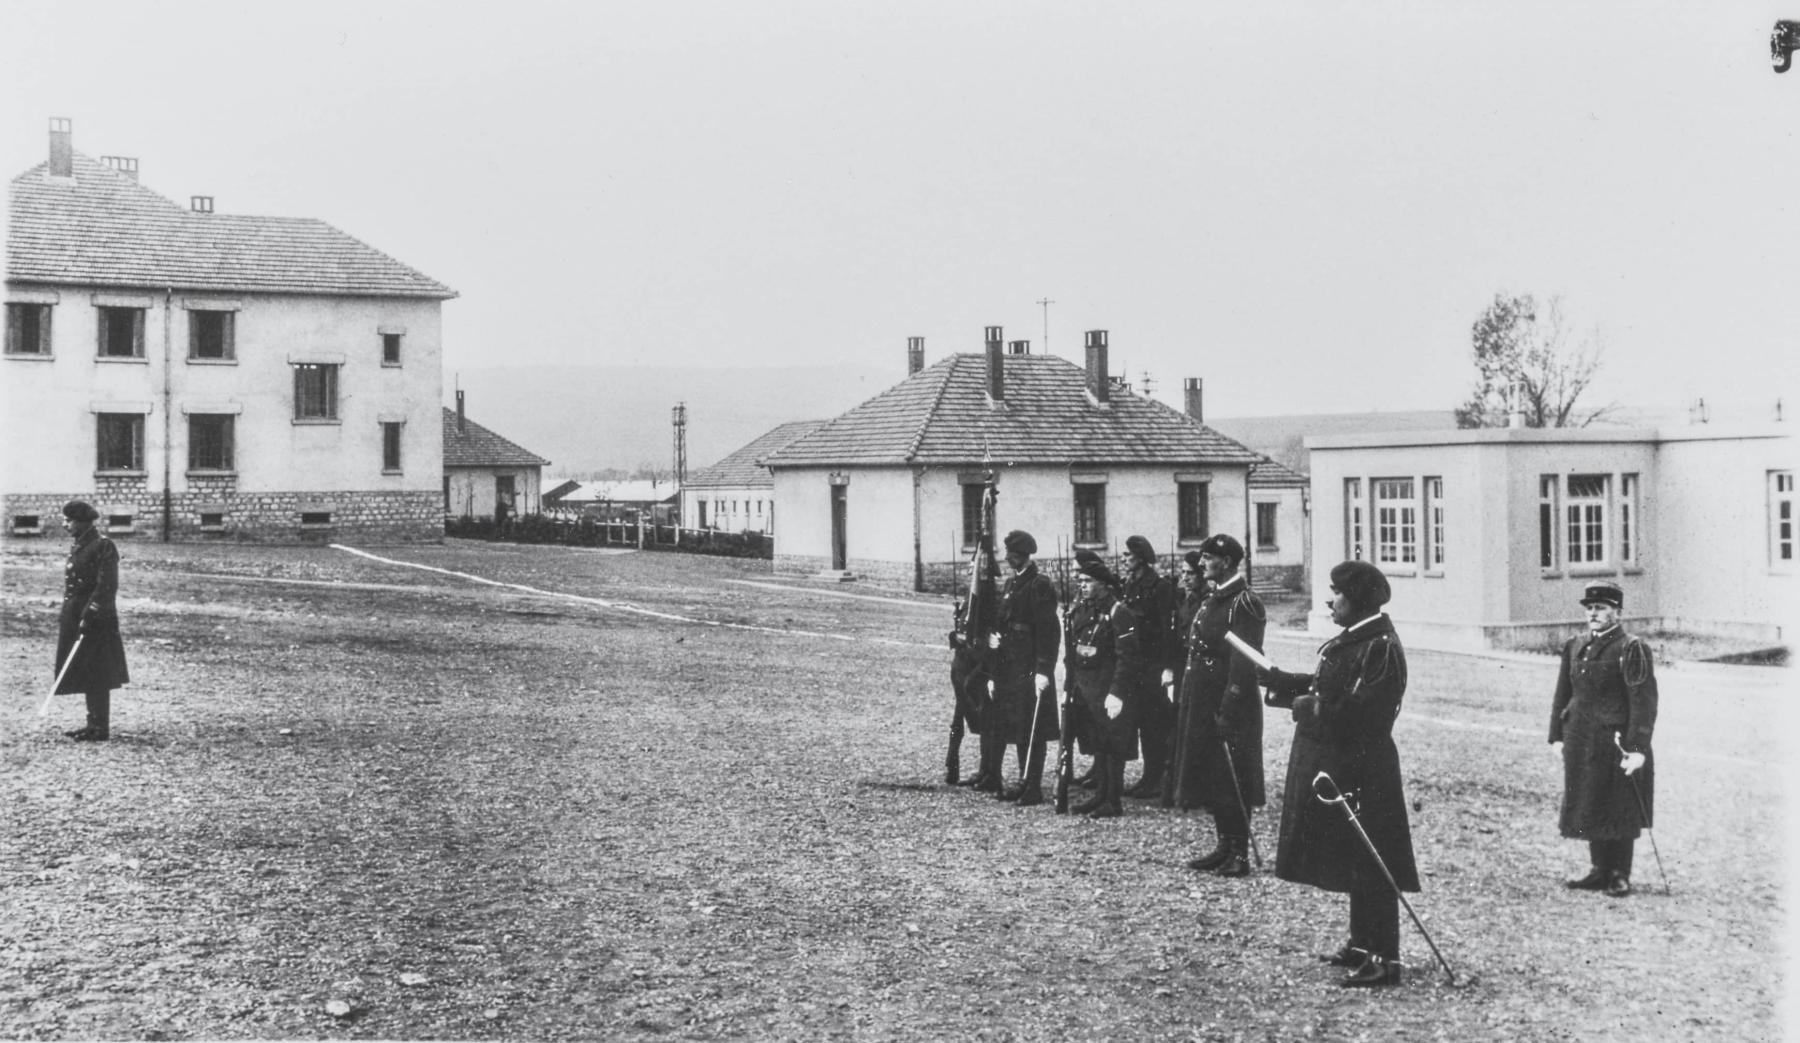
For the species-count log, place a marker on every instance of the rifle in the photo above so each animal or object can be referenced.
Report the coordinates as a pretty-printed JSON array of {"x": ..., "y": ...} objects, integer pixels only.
[{"x": 975, "y": 623}]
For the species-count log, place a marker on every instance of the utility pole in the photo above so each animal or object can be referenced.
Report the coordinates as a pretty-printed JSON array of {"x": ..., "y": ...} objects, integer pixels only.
[
  {"x": 679, "y": 415},
  {"x": 1046, "y": 302}
]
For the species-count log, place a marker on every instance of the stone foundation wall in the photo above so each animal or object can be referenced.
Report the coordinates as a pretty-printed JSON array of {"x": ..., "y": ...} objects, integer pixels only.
[
  {"x": 214, "y": 510},
  {"x": 1279, "y": 577}
]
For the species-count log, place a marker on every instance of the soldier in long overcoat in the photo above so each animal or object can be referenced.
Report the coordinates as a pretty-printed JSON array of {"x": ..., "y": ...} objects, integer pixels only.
[
  {"x": 1151, "y": 598},
  {"x": 1102, "y": 652},
  {"x": 1221, "y": 708},
  {"x": 1191, "y": 592},
  {"x": 90, "y": 613},
  {"x": 1026, "y": 644},
  {"x": 1602, "y": 717},
  {"x": 1343, "y": 725}
]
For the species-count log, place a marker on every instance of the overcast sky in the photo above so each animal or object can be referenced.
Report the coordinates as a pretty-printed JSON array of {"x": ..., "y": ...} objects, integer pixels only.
[{"x": 1307, "y": 205}]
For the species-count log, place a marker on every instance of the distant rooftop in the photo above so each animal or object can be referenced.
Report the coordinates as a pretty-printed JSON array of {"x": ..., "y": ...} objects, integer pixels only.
[
  {"x": 471, "y": 445},
  {"x": 743, "y": 469}
]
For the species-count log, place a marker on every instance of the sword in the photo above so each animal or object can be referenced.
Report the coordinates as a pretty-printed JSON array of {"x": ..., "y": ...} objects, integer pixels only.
[
  {"x": 1236, "y": 787},
  {"x": 1644, "y": 814},
  {"x": 60, "y": 674}
]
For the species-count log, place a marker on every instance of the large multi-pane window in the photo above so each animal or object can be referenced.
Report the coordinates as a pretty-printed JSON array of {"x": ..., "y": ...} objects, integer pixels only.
[
  {"x": 1090, "y": 512},
  {"x": 1353, "y": 519},
  {"x": 1191, "y": 510},
  {"x": 1781, "y": 519},
  {"x": 211, "y": 334},
  {"x": 1434, "y": 523},
  {"x": 1585, "y": 513},
  {"x": 121, "y": 333},
  {"x": 1396, "y": 522},
  {"x": 120, "y": 441},
  {"x": 210, "y": 437},
  {"x": 315, "y": 391},
  {"x": 28, "y": 329}
]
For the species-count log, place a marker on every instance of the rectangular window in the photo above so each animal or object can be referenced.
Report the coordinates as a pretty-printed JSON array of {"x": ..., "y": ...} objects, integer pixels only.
[
  {"x": 120, "y": 437},
  {"x": 1629, "y": 534},
  {"x": 1090, "y": 513},
  {"x": 315, "y": 391},
  {"x": 1265, "y": 525},
  {"x": 1781, "y": 518},
  {"x": 27, "y": 525},
  {"x": 121, "y": 333},
  {"x": 1353, "y": 519},
  {"x": 390, "y": 445},
  {"x": 28, "y": 329},
  {"x": 1396, "y": 522},
  {"x": 210, "y": 438},
  {"x": 210, "y": 334},
  {"x": 315, "y": 517},
  {"x": 1434, "y": 523},
  {"x": 1547, "y": 487},
  {"x": 212, "y": 521},
  {"x": 971, "y": 514},
  {"x": 390, "y": 349},
  {"x": 1191, "y": 507},
  {"x": 1585, "y": 513}
]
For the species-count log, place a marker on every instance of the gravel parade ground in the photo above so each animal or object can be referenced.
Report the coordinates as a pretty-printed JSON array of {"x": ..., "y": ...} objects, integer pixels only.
[{"x": 656, "y": 796}]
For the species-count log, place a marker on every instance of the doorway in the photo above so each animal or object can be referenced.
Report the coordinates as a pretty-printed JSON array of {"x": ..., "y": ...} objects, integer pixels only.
[{"x": 839, "y": 544}]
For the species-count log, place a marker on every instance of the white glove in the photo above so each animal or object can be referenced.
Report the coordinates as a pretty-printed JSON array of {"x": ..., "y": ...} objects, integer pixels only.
[
  {"x": 1114, "y": 706},
  {"x": 990, "y": 689},
  {"x": 1632, "y": 762},
  {"x": 994, "y": 640},
  {"x": 1168, "y": 678},
  {"x": 1556, "y": 751},
  {"x": 1043, "y": 682}
]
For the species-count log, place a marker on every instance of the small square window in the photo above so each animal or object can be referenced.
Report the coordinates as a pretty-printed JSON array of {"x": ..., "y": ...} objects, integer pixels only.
[
  {"x": 210, "y": 438},
  {"x": 212, "y": 519},
  {"x": 119, "y": 441},
  {"x": 210, "y": 335},
  {"x": 28, "y": 329},
  {"x": 390, "y": 349},
  {"x": 27, "y": 525},
  {"x": 315, "y": 517},
  {"x": 121, "y": 333},
  {"x": 119, "y": 523},
  {"x": 315, "y": 391}
]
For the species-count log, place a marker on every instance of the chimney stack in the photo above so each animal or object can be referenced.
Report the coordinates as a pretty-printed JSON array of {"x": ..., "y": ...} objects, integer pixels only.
[
  {"x": 62, "y": 147},
  {"x": 201, "y": 204},
  {"x": 1099, "y": 388},
  {"x": 996, "y": 365},
  {"x": 126, "y": 165},
  {"x": 915, "y": 355},
  {"x": 1018, "y": 347},
  {"x": 1191, "y": 401},
  {"x": 461, "y": 428}
]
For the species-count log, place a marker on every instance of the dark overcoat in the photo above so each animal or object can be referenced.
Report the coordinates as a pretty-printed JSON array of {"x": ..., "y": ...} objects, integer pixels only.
[
  {"x": 1359, "y": 684},
  {"x": 1220, "y": 702},
  {"x": 1102, "y": 648},
  {"x": 1025, "y": 644},
  {"x": 1151, "y": 598},
  {"x": 1607, "y": 686},
  {"x": 90, "y": 591}
]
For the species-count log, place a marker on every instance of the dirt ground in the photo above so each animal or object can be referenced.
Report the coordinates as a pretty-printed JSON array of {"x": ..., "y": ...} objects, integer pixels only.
[{"x": 655, "y": 796}]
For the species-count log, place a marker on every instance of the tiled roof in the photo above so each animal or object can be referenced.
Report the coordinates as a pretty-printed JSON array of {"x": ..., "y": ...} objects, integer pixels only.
[
  {"x": 476, "y": 446},
  {"x": 941, "y": 415},
  {"x": 743, "y": 469},
  {"x": 101, "y": 228},
  {"x": 1273, "y": 474}
]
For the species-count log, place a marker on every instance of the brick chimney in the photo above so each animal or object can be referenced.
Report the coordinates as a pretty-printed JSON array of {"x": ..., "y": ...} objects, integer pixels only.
[
  {"x": 201, "y": 204},
  {"x": 1018, "y": 347},
  {"x": 126, "y": 165},
  {"x": 62, "y": 147},
  {"x": 461, "y": 426},
  {"x": 1191, "y": 401},
  {"x": 1098, "y": 387},
  {"x": 915, "y": 355},
  {"x": 996, "y": 366}
]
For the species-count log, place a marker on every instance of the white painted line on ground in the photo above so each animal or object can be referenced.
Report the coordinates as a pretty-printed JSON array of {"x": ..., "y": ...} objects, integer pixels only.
[
  {"x": 910, "y": 603},
  {"x": 623, "y": 606},
  {"x": 1501, "y": 729}
]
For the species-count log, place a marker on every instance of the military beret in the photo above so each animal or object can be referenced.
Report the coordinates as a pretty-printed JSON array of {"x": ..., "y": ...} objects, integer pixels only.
[
  {"x": 1224, "y": 546},
  {"x": 1192, "y": 560},
  {"x": 1089, "y": 564},
  {"x": 1604, "y": 592},
  {"x": 1019, "y": 541},
  {"x": 1362, "y": 583},
  {"x": 1140, "y": 549},
  {"x": 80, "y": 510}
]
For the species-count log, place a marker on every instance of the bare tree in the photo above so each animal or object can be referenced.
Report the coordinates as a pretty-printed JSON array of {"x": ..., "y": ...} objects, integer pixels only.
[{"x": 1528, "y": 361}]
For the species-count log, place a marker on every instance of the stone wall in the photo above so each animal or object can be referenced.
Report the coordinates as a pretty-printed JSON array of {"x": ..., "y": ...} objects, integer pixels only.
[{"x": 214, "y": 510}]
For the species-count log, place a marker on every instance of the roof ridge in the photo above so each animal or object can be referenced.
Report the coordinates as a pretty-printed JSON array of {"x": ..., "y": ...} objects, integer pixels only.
[{"x": 930, "y": 414}]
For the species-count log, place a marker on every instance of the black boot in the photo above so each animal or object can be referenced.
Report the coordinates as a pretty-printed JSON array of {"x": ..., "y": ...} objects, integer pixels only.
[
  {"x": 1090, "y": 778},
  {"x": 1032, "y": 793},
  {"x": 1237, "y": 862},
  {"x": 953, "y": 757},
  {"x": 987, "y": 779},
  {"x": 1149, "y": 785},
  {"x": 1375, "y": 972},
  {"x": 99, "y": 711},
  {"x": 1091, "y": 804},
  {"x": 1111, "y": 789},
  {"x": 1212, "y": 859}
]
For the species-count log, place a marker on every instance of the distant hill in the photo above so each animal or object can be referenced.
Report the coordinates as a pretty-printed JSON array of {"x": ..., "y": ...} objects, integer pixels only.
[
  {"x": 1283, "y": 437},
  {"x": 592, "y": 418}
]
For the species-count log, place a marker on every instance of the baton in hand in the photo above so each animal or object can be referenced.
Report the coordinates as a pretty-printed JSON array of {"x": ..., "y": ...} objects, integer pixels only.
[
  {"x": 1342, "y": 801},
  {"x": 60, "y": 674},
  {"x": 1644, "y": 815}
]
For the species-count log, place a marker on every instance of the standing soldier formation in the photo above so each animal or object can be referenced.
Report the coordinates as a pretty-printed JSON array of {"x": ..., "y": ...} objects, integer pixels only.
[
  {"x": 1150, "y": 598},
  {"x": 1023, "y": 712},
  {"x": 90, "y": 655},
  {"x": 1102, "y": 655}
]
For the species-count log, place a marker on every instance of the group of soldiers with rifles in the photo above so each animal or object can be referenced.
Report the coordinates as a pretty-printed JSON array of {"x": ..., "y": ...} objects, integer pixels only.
[{"x": 1180, "y": 680}]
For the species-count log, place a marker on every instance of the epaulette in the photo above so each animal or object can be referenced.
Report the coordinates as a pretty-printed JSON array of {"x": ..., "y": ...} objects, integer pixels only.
[
  {"x": 1636, "y": 662},
  {"x": 1250, "y": 603}
]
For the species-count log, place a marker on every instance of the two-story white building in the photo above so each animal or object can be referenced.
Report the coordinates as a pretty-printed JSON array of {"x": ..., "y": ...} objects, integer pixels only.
[{"x": 206, "y": 375}]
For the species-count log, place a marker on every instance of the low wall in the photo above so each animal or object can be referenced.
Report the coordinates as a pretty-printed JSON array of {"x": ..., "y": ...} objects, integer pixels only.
[{"x": 219, "y": 513}]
